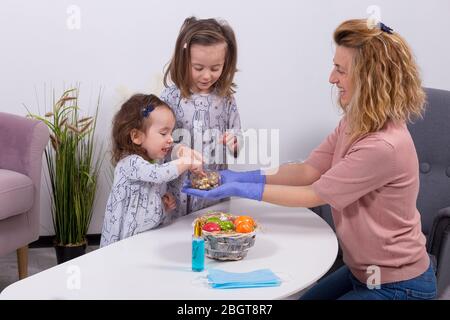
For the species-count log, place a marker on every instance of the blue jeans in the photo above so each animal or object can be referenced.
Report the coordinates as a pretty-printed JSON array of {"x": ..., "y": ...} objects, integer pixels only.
[{"x": 342, "y": 285}]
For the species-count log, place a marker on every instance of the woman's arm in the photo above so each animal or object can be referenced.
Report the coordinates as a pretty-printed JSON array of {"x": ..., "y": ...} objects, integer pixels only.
[
  {"x": 292, "y": 196},
  {"x": 293, "y": 174}
]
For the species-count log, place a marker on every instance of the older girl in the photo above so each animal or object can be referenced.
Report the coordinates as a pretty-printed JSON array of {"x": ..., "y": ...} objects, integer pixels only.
[{"x": 202, "y": 71}]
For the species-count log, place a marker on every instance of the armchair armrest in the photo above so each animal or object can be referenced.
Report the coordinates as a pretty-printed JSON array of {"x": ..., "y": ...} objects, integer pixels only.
[
  {"x": 443, "y": 270},
  {"x": 22, "y": 142},
  {"x": 441, "y": 224},
  {"x": 439, "y": 247}
]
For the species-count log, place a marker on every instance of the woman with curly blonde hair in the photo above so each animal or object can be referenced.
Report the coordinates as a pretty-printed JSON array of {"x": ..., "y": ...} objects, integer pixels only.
[{"x": 366, "y": 170}]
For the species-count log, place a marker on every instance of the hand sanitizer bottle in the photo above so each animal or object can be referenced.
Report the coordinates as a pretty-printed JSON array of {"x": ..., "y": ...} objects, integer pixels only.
[{"x": 198, "y": 249}]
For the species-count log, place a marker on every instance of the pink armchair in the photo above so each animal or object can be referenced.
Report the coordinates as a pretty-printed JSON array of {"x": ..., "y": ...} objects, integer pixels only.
[{"x": 22, "y": 142}]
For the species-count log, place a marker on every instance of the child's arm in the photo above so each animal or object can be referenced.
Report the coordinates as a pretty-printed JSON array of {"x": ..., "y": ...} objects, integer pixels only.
[
  {"x": 189, "y": 163},
  {"x": 231, "y": 141},
  {"x": 190, "y": 156},
  {"x": 233, "y": 137},
  {"x": 142, "y": 170}
]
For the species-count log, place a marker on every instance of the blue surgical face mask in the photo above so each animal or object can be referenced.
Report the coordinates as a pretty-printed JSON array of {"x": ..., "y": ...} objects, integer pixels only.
[{"x": 220, "y": 279}]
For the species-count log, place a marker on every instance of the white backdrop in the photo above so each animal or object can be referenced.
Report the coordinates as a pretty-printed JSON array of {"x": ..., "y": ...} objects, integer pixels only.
[{"x": 285, "y": 56}]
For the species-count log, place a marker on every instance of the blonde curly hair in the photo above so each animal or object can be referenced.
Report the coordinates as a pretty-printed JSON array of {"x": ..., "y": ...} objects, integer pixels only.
[{"x": 384, "y": 75}]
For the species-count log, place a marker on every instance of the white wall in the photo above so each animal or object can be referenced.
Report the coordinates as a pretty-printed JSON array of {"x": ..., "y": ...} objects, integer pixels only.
[{"x": 285, "y": 56}]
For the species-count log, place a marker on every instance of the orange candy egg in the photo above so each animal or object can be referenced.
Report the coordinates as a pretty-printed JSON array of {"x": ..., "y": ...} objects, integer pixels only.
[
  {"x": 246, "y": 219},
  {"x": 244, "y": 227}
]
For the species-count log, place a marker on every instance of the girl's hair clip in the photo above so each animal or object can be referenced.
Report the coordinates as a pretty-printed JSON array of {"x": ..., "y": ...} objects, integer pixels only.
[
  {"x": 146, "y": 111},
  {"x": 385, "y": 28}
]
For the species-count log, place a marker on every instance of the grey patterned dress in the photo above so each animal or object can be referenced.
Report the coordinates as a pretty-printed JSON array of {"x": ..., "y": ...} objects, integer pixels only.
[
  {"x": 134, "y": 204},
  {"x": 204, "y": 118}
]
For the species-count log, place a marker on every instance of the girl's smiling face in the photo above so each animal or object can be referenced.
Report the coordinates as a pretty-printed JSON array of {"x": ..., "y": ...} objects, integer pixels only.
[
  {"x": 157, "y": 139},
  {"x": 206, "y": 65}
]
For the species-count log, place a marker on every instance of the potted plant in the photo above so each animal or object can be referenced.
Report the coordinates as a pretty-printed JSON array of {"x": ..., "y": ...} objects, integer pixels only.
[{"x": 73, "y": 172}]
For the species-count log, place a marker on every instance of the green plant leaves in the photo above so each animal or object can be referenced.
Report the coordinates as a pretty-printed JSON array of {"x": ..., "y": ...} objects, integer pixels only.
[{"x": 72, "y": 166}]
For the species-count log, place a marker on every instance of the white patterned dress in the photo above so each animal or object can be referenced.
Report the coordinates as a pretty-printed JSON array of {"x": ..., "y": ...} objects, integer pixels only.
[
  {"x": 205, "y": 117},
  {"x": 134, "y": 204}
]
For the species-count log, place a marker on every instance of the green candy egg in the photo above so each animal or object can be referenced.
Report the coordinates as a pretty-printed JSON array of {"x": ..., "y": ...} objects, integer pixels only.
[
  {"x": 226, "y": 225},
  {"x": 214, "y": 219}
]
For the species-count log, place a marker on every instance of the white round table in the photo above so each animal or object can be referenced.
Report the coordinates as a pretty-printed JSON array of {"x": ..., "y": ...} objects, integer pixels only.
[{"x": 294, "y": 243}]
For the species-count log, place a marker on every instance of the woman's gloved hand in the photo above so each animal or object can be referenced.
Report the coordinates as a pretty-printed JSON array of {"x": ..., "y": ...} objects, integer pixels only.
[
  {"x": 228, "y": 189},
  {"x": 254, "y": 176}
]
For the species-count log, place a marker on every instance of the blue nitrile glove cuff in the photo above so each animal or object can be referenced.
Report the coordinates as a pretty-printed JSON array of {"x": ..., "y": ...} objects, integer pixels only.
[
  {"x": 250, "y": 191},
  {"x": 255, "y": 176}
]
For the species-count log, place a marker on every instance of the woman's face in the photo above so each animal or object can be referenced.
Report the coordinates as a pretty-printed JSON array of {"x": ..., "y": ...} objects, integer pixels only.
[
  {"x": 206, "y": 65},
  {"x": 340, "y": 75}
]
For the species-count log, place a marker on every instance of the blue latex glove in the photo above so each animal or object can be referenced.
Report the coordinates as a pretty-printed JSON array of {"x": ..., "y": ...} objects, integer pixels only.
[
  {"x": 254, "y": 176},
  {"x": 231, "y": 189}
]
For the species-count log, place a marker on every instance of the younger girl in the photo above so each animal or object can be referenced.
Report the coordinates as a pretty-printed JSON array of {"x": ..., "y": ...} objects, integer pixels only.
[
  {"x": 202, "y": 71},
  {"x": 142, "y": 135}
]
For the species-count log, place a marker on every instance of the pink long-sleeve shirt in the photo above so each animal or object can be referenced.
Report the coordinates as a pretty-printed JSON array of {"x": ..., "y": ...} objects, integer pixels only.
[{"x": 372, "y": 186}]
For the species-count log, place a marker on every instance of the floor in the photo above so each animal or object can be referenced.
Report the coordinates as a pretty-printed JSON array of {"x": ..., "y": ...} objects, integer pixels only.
[{"x": 39, "y": 259}]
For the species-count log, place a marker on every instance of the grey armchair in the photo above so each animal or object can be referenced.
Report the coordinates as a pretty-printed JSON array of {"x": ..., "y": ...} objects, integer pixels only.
[
  {"x": 431, "y": 137},
  {"x": 22, "y": 142}
]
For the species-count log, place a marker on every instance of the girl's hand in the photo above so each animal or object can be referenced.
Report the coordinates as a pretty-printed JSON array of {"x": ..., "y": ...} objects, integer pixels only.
[
  {"x": 192, "y": 158},
  {"x": 231, "y": 141},
  {"x": 186, "y": 152},
  {"x": 169, "y": 202},
  {"x": 180, "y": 150},
  {"x": 197, "y": 168}
]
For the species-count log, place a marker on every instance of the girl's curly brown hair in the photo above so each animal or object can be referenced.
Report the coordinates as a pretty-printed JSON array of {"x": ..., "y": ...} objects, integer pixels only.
[{"x": 129, "y": 117}]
